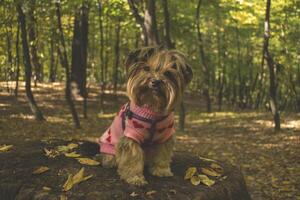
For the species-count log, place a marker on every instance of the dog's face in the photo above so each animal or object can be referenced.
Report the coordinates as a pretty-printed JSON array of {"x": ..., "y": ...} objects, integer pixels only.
[{"x": 157, "y": 78}]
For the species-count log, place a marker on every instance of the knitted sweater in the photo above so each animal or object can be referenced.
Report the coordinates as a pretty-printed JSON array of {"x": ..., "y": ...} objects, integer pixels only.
[{"x": 144, "y": 126}]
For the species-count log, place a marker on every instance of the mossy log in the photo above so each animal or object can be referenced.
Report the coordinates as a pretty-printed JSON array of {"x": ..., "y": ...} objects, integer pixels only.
[{"x": 18, "y": 182}]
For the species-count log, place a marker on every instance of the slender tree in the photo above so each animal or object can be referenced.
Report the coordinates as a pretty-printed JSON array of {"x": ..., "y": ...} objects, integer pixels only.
[
  {"x": 17, "y": 61},
  {"x": 27, "y": 64},
  {"x": 102, "y": 64},
  {"x": 64, "y": 62},
  {"x": 205, "y": 67},
  {"x": 272, "y": 71}
]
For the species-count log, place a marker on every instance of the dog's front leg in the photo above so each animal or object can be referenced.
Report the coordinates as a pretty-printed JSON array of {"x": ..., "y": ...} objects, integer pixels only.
[
  {"x": 130, "y": 160},
  {"x": 160, "y": 157}
]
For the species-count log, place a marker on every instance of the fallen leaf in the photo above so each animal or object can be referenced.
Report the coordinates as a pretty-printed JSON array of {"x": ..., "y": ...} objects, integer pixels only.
[
  {"x": 76, "y": 179},
  {"x": 72, "y": 155},
  {"x": 195, "y": 180},
  {"x": 217, "y": 168},
  {"x": 51, "y": 153},
  {"x": 5, "y": 147},
  {"x": 107, "y": 116},
  {"x": 88, "y": 161},
  {"x": 63, "y": 197},
  {"x": 205, "y": 180},
  {"x": 67, "y": 148},
  {"x": 150, "y": 192},
  {"x": 210, "y": 172},
  {"x": 46, "y": 188},
  {"x": 207, "y": 159},
  {"x": 40, "y": 170},
  {"x": 173, "y": 191},
  {"x": 133, "y": 194},
  {"x": 190, "y": 172}
]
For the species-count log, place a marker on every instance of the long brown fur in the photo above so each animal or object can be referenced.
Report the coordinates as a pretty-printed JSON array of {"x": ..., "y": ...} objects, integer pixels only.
[{"x": 143, "y": 67}]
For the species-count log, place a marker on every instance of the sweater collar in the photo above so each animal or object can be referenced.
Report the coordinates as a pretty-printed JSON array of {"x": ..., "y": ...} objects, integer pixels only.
[{"x": 145, "y": 111}]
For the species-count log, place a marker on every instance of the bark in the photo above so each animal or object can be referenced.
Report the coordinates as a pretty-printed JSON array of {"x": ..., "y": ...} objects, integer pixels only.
[
  {"x": 148, "y": 22},
  {"x": 117, "y": 53},
  {"x": 102, "y": 82},
  {"x": 38, "y": 68},
  {"x": 272, "y": 71},
  {"x": 167, "y": 34},
  {"x": 64, "y": 62},
  {"x": 52, "y": 74},
  {"x": 27, "y": 64},
  {"x": 17, "y": 61},
  {"x": 205, "y": 67}
]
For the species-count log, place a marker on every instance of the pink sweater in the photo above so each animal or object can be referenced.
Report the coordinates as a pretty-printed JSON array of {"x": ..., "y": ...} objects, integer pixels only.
[{"x": 139, "y": 130}]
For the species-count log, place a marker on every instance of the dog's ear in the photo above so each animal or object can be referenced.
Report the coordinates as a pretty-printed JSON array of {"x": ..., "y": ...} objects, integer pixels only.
[
  {"x": 140, "y": 55},
  {"x": 188, "y": 74}
]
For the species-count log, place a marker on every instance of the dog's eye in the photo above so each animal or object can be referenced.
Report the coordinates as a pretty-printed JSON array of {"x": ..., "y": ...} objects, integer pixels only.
[
  {"x": 146, "y": 68},
  {"x": 170, "y": 76},
  {"x": 174, "y": 66}
]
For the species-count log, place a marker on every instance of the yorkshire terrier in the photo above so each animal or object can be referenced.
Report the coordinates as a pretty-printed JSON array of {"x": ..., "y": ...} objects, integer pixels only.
[{"x": 142, "y": 132}]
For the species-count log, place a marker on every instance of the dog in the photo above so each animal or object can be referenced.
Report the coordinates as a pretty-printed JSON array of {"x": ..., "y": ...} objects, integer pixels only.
[{"x": 142, "y": 132}]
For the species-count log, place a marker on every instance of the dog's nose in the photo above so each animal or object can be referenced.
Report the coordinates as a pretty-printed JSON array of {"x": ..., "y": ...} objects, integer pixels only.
[{"x": 156, "y": 83}]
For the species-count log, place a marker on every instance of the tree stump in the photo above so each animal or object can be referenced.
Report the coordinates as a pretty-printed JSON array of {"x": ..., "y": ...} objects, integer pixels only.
[{"x": 18, "y": 182}]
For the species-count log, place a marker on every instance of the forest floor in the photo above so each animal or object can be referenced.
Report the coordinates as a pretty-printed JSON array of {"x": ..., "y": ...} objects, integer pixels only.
[{"x": 269, "y": 161}]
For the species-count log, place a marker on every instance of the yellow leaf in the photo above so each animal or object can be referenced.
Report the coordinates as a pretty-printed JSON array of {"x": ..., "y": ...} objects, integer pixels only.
[
  {"x": 107, "y": 116},
  {"x": 207, "y": 159},
  {"x": 46, "y": 188},
  {"x": 88, "y": 161},
  {"x": 205, "y": 180},
  {"x": 150, "y": 192},
  {"x": 63, "y": 197},
  {"x": 195, "y": 180},
  {"x": 76, "y": 179},
  {"x": 67, "y": 148},
  {"x": 210, "y": 172},
  {"x": 190, "y": 172},
  {"x": 217, "y": 168},
  {"x": 51, "y": 153},
  {"x": 134, "y": 194},
  {"x": 5, "y": 147},
  {"x": 72, "y": 155},
  {"x": 41, "y": 170}
]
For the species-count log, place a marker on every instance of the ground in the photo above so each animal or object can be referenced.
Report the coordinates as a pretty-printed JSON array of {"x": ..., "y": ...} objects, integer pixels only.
[{"x": 269, "y": 161}]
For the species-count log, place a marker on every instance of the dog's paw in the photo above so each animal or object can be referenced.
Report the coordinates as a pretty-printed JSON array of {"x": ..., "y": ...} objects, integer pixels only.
[
  {"x": 161, "y": 172},
  {"x": 137, "y": 180}
]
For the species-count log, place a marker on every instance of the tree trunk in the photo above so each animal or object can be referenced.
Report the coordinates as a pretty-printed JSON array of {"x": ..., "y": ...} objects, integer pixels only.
[
  {"x": 64, "y": 62},
  {"x": 150, "y": 23},
  {"x": 147, "y": 23},
  {"x": 52, "y": 74},
  {"x": 38, "y": 68},
  {"x": 205, "y": 67},
  {"x": 102, "y": 84},
  {"x": 167, "y": 34},
  {"x": 272, "y": 71},
  {"x": 17, "y": 61},
  {"x": 117, "y": 56},
  {"x": 27, "y": 64}
]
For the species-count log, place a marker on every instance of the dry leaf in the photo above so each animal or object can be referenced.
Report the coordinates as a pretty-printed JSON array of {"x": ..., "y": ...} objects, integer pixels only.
[
  {"x": 46, "y": 188},
  {"x": 107, "y": 116},
  {"x": 205, "y": 180},
  {"x": 40, "y": 170},
  {"x": 173, "y": 191},
  {"x": 72, "y": 155},
  {"x": 5, "y": 147},
  {"x": 63, "y": 197},
  {"x": 67, "y": 148},
  {"x": 207, "y": 159},
  {"x": 210, "y": 172},
  {"x": 76, "y": 179},
  {"x": 190, "y": 172},
  {"x": 217, "y": 168},
  {"x": 150, "y": 192},
  {"x": 51, "y": 153},
  {"x": 195, "y": 180},
  {"x": 88, "y": 161},
  {"x": 133, "y": 194}
]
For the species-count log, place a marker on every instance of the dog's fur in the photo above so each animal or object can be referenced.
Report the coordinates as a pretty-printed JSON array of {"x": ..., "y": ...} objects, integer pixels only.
[{"x": 156, "y": 79}]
